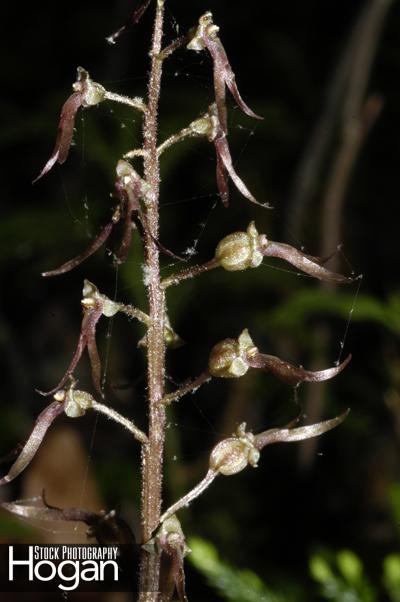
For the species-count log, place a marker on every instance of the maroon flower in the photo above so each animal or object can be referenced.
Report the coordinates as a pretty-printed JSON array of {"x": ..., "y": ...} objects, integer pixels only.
[
  {"x": 86, "y": 93},
  {"x": 94, "y": 306},
  {"x": 206, "y": 36},
  {"x": 129, "y": 188},
  {"x": 171, "y": 542}
]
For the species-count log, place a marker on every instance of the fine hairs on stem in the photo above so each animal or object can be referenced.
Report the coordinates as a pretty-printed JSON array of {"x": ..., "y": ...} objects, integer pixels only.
[{"x": 136, "y": 213}]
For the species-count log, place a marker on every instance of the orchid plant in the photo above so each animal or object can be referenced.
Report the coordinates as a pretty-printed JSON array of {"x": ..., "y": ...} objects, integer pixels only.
[{"x": 137, "y": 209}]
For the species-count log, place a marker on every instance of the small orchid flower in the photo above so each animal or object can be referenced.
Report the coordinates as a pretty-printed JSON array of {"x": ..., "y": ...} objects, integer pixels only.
[
  {"x": 242, "y": 449},
  {"x": 206, "y": 36},
  {"x": 209, "y": 126},
  {"x": 86, "y": 94},
  {"x": 129, "y": 188},
  {"x": 232, "y": 358},
  {"x": 74, "y": 404},
  {"x": 94, "y": 305},
  {"x": 242, "y": 250},
  {"x": 170, "y": 540}
]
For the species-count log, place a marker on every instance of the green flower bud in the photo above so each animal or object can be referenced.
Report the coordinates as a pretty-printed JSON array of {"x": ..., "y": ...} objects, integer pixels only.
[
  {"x": 92, "y": 297},
  {"x": 235, "y": 453},
  {"x": 206, "y": 26},
  {"x": 240, "y": 250},
  {"x": 76, "y": 402},
  {"x": 93, "y": 93},
  {"x": 229, "y": 358}
]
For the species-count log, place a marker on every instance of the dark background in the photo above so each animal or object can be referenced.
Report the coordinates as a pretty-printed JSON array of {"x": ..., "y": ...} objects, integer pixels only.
[{"x": 343, "y": 493}]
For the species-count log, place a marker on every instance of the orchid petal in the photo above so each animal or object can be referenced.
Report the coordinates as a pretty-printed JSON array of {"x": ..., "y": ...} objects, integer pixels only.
[
  {"x": 222, "y": 181},
  {"x": 92, "y": 248},
  {"x": 91, "y": 316},
  {"x": 74, "y": 362},
  {"x": 290, "y": 374},
  {"x": 89, "y": 326},
  {"x": 305, "y": 263},
  {"x": 288, "y": 435},
  {"x": 65, "y": 132},
  {"x": 133, "y": 20},
  {"x": 107, "y": 528},
  {"x": 46, "y": 513},
  {"x": 223, "y": 74},
  {"x": 42, "y": 424},
  {"x": 171, "y": 540},
  {"x": 130, "y": 204},
  {"x": 223, "y": 153}
]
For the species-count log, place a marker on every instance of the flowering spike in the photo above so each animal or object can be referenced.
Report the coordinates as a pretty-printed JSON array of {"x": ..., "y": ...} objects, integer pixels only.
[
  {"x": 133, "y": 20},
  {"x": 42, "y": 424},
  {"x": 290, "y": 374},
  {"x": 86, "y": 93},
  {"x": 288, "y": 435}
]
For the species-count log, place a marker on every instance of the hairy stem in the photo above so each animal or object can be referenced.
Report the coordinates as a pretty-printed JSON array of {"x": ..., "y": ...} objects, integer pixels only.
[
  {"x": 136, "y": 103},
  {"x": 184, "y": 501},
  {"x": 189, "y": 387},
  {"x": 190, "y": 273},
  {"x": 116, "y": 416},
  {"x": 152, "y": 453}
]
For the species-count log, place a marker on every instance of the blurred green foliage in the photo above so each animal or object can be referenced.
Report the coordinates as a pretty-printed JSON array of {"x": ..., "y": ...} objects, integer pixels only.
[
  {"x": 340, "y": 577},
  {"x": 235, "y": 585},
  {"x": 347, "y": 496}
]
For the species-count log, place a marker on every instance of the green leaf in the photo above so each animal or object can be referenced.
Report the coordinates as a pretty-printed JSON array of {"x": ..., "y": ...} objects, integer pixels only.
[
  {"x": 391, "y": 576},
  {"x": 350, "y": 566},
  {"x": 320, "y": 569},
  {"x": 307, "y": 302}
]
